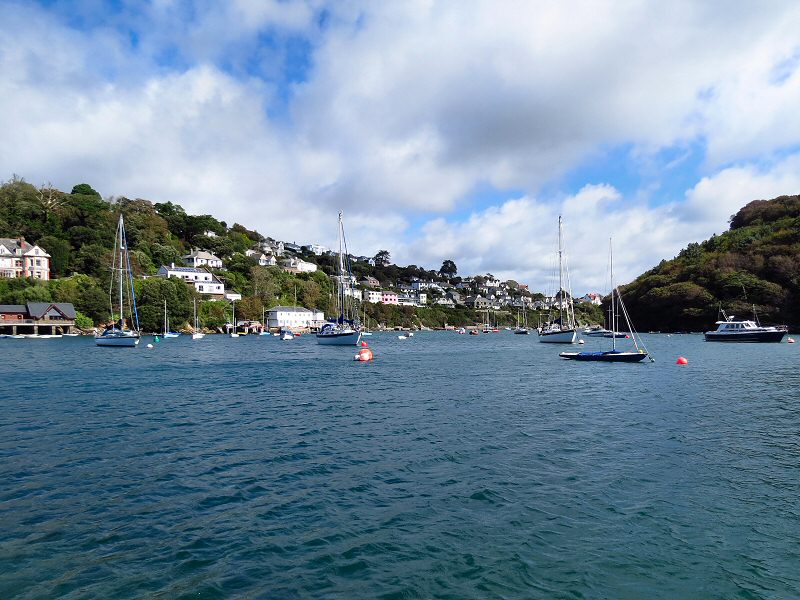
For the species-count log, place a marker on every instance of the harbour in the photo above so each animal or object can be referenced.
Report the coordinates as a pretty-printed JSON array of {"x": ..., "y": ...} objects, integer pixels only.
[{"x": 449, "y": 466}]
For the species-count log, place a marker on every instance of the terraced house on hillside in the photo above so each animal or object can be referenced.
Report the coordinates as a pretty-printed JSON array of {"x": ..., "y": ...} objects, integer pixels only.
[{"x": 18, "y": 258}]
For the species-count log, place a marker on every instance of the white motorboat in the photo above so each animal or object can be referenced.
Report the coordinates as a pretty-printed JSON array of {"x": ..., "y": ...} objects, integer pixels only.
[{"x": 732, "y": 330}]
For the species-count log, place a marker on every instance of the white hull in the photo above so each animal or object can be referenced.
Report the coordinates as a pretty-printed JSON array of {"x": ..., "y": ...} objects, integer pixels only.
[
  {"x": 121, "y": 342},
  {"x": 198, "y": 336},
  {"x": 339, "y": 338},
  {"x": 558, "y": 337}
]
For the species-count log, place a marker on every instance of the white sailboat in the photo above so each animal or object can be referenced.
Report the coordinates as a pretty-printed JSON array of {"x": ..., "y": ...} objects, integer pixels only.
[
  {"x": 197, "y": 334},
  {"x": 560, "y": 330},
  {"x": 344, "y": 330},
  {"x": 117, "y": 335},
  {"x": 234, "y": 333},
  {"x": 167, "y": 333}
]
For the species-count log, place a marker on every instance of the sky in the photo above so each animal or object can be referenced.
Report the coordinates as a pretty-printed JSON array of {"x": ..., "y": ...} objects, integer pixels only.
[{"x": 442, "y": 130}]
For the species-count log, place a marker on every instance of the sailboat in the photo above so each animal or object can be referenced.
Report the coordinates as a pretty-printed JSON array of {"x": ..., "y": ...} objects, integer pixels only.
[
  {"x": 522, "y": 328},
  {"x": 117, "y": 334},
  {"x": 167, "y": 333},
  {"x": 264, "y": 328},
  {"x": 562, "y": 329},
  {"x": 197, "y": 334},
  {"x": 234, "y": 333},
  {"x": 344, "y": 330},
  {"x": 614, "y": 355}
]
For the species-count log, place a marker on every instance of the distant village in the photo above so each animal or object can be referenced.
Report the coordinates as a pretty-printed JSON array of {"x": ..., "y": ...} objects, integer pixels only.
[{"x": 204, "y": 271}]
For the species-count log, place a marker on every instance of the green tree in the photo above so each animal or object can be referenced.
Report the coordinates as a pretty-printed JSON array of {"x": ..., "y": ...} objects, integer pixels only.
[
  {"x": 82, "y": 321},
  {"x": 382, "y": 258},
  {"x": 448, "y": 269}
]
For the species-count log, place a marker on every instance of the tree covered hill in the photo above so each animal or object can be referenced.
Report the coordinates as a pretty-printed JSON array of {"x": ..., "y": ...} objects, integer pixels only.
[{"x": 756, "y": 262}]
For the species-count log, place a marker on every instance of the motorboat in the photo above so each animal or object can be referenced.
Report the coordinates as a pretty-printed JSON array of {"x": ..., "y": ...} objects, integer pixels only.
[{"x": 732, "y": 330}]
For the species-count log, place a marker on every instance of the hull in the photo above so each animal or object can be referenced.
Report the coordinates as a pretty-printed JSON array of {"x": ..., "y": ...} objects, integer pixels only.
[
  {"x": 521, "y": 332},
  {"x": 127, "y": 341},
  {"x": 342, "y": 338},
  {"x": 558, "y": 337},
  {"x": 610, "y": 356},
  {"x": 747, "y": 336}
]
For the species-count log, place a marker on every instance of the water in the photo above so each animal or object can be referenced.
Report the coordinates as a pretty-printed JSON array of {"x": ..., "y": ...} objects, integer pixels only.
[{"x": 451, "y": 467}]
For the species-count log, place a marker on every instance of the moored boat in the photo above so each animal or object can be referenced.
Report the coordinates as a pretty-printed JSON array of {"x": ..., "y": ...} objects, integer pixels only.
[
  {"x": 732, "y": 330},
  {"x": 560, "y": 330},
  {"x": 638, "y": 354},
  {"x": 345, "y": 329},
  {"x": 117, "y": 335}
]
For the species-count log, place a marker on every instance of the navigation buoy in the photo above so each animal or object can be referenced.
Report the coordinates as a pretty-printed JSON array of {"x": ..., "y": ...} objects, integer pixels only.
[
  {"x": 156, "y": 339},
  {"x": 364, "y": 344},
  {"x": 682, "y": 361},
  {"x": 790, "y": 341},
  {"x": 364, "y": 355}
]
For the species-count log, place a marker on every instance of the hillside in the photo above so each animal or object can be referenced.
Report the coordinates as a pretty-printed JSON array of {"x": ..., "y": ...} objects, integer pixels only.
[
  {"x": 77, "y": 230},
  {"x": 757, "y": 261}
]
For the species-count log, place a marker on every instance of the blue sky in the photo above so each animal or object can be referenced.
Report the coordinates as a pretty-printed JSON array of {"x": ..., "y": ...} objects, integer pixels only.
[{"x": 443, "y": 130}]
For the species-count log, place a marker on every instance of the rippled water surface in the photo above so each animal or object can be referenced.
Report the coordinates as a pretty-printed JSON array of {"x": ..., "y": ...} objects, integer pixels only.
[{"x": 450, "y": 467}]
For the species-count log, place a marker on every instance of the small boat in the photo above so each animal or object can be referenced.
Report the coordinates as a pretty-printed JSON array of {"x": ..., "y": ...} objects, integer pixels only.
[
  {"x": 287, "y": 335},
  {"x": 197, "y": 334},
  {"x": 233, "y": 333},
  {"x": 116, "y": 335},
  {"x": 402, "y": 337},
  {"x": 474, "y": 332},
  {"x": 461, "y": 331},
  {"x": 70, "y": 334},
  {"x": 614, "y": 355},
  {"x": 167, "y": 333},
  {"x": 731, "y": 330}
]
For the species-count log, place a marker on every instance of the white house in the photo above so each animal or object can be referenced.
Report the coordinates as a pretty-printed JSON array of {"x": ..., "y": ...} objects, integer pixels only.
[
  {"x": 296, "y": 265},
  {"x": 293, "y": 317},
  {"x": 315, "y": 249},
  {"x": 264, "y": 260},
  {"x": 201, "y": 258},
  {"x": 592, "y": 298},
  {"x": 18, "y": 258},
  {"x": 372, "y": 296},
  {"x": 203, "y": 281}
]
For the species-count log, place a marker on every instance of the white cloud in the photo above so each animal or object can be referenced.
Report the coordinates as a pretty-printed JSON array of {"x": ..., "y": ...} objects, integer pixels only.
[{"x": 406, "y": 109}]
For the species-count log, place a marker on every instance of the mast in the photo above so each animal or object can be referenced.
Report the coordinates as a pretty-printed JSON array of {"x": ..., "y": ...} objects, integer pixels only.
[
  {"x": 613, "y": 320},
  {"x": 560, "y": 279},
  {"x": 341, "y": 273},
  {"x": 165, "y": 317},
  {"x": 121, "y": 250}
]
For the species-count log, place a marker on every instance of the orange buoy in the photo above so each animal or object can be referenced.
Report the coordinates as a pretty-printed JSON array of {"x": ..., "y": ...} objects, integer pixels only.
[
  {"x": 682, "y": 361},
  {"x": 790, "y": 340},
  {"x": 364, "y": 344},
  {"x": 364, "y": 355}
]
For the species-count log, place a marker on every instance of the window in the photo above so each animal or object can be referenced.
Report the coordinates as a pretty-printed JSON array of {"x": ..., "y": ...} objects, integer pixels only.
[{"x": 200, "y": 288}]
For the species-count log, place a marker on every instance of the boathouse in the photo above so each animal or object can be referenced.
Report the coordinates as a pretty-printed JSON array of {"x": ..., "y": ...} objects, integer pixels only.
[{"x": 37, "y": 318}]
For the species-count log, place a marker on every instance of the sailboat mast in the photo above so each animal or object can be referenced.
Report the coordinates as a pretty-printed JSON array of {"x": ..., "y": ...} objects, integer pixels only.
[
  {"x": 341, "y": 271},
  {"x": 121, "y": 256},
  {"x": 560, "y": 278},
  {"x": 613, "y": 319}
]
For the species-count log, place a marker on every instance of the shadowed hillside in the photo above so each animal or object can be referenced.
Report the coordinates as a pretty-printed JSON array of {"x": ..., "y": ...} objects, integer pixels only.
[{"x": 756, "y": 262}]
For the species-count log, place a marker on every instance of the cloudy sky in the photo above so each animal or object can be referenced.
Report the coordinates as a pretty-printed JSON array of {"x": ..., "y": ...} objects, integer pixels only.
[{"x": 443, "y": 130}]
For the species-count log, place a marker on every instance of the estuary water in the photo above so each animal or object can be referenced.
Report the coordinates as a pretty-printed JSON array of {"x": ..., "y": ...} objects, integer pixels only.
[{"x": 452, "y": 466}]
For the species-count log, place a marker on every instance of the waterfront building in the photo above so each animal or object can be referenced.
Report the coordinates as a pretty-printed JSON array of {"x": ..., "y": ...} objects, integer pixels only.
[
  {"x": 200, "y": 258},
  {"x": 203, "y": 281},
  {"x": 18, "y": 258},
  {"x": 37, "y": 318},
  {"x": 294, "y": 317}
]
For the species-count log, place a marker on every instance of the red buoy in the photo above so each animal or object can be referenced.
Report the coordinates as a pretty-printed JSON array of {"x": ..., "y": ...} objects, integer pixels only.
[
  {"x": 364, "y": 355},
  {"x": 364, "y": 344},
  {"x": 682, "y": 361}
]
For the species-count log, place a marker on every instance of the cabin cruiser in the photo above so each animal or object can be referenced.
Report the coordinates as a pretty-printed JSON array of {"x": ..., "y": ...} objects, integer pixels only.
[{"x": 731, "y": 330}]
